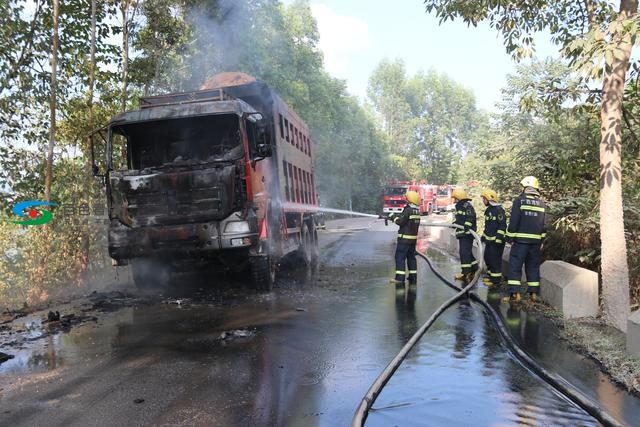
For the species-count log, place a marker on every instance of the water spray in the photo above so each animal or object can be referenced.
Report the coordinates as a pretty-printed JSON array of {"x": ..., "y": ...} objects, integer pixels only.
[
  {"x": 340, "y": 211},
  {"x": 309, "y": 208}
]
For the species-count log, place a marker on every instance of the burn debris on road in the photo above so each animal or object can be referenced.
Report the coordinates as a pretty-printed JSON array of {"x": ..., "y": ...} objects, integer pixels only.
[
  {"x": 114, "y": 300},
  {"x": 237, "y": 333},
  {"x": 4, "y": 357},
  {"x": 10, "y": 316},
  {"x": 55, "y": 320},
  {"x": 180, "y": 302}
]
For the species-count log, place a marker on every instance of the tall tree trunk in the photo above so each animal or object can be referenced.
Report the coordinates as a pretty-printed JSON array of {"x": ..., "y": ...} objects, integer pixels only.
[
  {"x": 124, "y": 8},
  {"x": 614, "y": 265},
  {"x": 52, "y": 104},
  {"x": 92, "y": 63},
  {"x": 86, "y": 243}
]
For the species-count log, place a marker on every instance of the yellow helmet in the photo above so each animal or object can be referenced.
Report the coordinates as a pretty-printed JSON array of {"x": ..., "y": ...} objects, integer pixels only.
[
  {"x": 460, "y": 194},
  {"x": 412, "y": 197},
  {"x": 530, "y": 181},
  {"x": 490, "y": 195}
]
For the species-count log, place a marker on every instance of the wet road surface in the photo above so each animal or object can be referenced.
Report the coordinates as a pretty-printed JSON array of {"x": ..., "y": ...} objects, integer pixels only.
[{"x": 305, "y": 354}]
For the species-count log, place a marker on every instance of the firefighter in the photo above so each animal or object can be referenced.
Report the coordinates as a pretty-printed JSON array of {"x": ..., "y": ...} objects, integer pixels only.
[
  {"x": 466, "y": 217},
  {"x": 493, "y": 236},
  {"x": 525, "y": 232},
  {"x": 409, "y": 222}
]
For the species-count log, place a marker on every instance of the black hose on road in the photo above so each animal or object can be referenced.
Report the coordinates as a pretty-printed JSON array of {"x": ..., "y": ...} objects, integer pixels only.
[
  {"x": 372, "y": 394},
  {"x": 560, "y": 384},
  {"x": 557, "y": 382}
]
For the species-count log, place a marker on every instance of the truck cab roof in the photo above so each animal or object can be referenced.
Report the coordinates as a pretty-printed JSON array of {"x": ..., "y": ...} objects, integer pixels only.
[{"x": 183, "y": 109}]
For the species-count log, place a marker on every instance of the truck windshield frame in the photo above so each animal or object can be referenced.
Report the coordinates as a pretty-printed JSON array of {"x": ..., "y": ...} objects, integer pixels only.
[
  {"x": 189, "y": 140},
  {"x": 395, "y": 191}
]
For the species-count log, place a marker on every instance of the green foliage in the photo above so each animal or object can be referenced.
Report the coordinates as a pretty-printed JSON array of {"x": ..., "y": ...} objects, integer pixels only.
[
  {"x": 430, "y": 121},
  {"x": 36, "y": 262},
  {"x": 557, "y": 141}
]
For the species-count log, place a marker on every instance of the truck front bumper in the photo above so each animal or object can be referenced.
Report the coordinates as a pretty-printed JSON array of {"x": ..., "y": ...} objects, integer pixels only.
[
  {"x": 180, "y": 240},
  {"x": 389, "y": 210}
]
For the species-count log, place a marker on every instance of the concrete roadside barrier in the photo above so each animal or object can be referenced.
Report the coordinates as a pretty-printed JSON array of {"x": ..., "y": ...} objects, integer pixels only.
[
  {"x": 633, "y": 334},
  {"x": 569, "y": 288}
]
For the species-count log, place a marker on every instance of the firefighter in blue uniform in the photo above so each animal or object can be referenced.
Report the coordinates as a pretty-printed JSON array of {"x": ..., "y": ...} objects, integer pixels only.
[
  {"x": 493, "y": 236},
  {"x": 409, "y": 222},
  {"x": 466, "y": 217},
  {"x": 526, "y": 232}
]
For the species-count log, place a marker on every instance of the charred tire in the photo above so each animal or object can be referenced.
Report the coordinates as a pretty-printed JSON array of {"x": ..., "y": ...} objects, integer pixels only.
[
  {"x": 315, "y": 251},
  {"x": 149, "y": 273},
  {"x": 263, "y": 272},
  {"x": 305, "y": 251}
]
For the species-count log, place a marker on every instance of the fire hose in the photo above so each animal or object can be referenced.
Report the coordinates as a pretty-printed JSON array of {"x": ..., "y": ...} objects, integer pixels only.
[
  {"x": 379, "y": 383},
  {"x": 558, "y": 383}
]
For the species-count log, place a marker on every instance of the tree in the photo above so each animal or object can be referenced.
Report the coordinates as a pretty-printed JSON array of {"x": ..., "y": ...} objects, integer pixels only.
[
  {"x": 52, "y": 104},
  {"x": 430, "y": 121},
  {"x": 388, "y": 92},
  {"x": 597, "y": 40}
]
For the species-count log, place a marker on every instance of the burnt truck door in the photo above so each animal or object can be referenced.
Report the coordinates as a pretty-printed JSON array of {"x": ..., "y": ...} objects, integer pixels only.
[
  {"x": 263, "y": 173},
  {"x": 264, "y": 181}
]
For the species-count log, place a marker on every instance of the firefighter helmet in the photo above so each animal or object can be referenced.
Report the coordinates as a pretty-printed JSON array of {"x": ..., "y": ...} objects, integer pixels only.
[
  {"x": 530, "y": 181},
  {"x": 412, "y": 197},
  {"x": 490, "y": 195},
  {"x": 459, "y": 194}
]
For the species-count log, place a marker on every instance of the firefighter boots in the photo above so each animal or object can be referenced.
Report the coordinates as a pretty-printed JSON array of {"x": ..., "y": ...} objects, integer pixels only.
[
  {"x": 513, "y": 297},
  {"x": 468, "y": 278}
]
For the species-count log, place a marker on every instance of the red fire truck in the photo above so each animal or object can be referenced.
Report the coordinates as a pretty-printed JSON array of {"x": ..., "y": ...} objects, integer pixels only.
[
  {"x": 444, "y": 198},
  {"x": 394, "y": 201},
  {"x": 222, "y": 177}
]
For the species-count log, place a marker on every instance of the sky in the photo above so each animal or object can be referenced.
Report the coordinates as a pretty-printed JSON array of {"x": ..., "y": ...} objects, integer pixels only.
[{"x": 355, "y": 35}]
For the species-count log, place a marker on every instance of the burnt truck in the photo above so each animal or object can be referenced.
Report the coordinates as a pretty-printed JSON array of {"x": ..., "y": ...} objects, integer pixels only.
[{"x": 222, "y": 177}]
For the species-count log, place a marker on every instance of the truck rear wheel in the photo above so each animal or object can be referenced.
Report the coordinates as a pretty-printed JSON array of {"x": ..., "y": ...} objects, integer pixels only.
[
  {"x": 307, "y": 243},
  {"x": 263, "y": 272},
  {"x": 315, "y": 251}
]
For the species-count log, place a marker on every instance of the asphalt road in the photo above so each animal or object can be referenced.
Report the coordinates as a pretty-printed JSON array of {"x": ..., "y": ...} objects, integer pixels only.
[{"x": 303, "y": 354}]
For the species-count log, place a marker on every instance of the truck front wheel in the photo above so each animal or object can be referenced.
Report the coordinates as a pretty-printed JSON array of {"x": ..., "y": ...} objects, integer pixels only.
[
  {"x": 263, "y": 272},
  {"x": 149, "y": 273}
]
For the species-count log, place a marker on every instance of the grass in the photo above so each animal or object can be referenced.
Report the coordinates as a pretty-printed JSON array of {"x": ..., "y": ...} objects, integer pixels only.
[{"x": 602, "y": 343}]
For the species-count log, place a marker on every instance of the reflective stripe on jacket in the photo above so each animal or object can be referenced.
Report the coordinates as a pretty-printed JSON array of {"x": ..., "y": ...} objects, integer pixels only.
[
  {"x": 466, "y": 217},
  {"x": 409, "y": 222},
  {"x": 526, "y": 224},
  {"x": 495, "y": 224}
]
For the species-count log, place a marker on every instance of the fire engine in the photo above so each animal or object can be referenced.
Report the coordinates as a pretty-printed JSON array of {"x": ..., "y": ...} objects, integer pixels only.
[
  {"x": 394, "y": 201},
  {"x": 223, "y": 176},
  {"x": 444, "y": 198}
]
